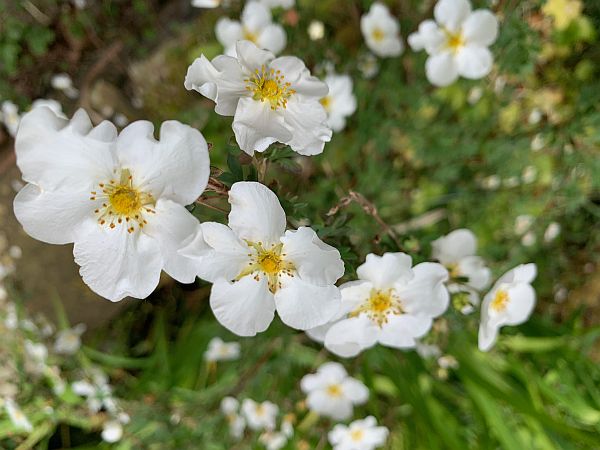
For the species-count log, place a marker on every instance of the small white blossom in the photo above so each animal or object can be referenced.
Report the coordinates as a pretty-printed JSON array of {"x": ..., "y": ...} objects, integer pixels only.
[
  {"x": 535, "y": 116},
  {"x": 63, "y": 82},
  {"x": 260, "y": 416},
  {"x": 271, "y": 99},
  {"x": 447, "y": 362},
  {"x": 457, "y": 42},
  {"x": 237, "y": 424},
  {"x": 68, "y": 341},
  {"x": 381, "y": 31},
  {"x": 391, "y": 304},
  {"x": 222, "y": 351},
  {"x": 207, "y": 3},
  {"x": 522, "y": 223},
  {"x": 340, "y": 103},
  {"x": 257, "y": 267},
  {"x": 18, "y": 419},
  {"x": 112, "y": 431},
  {"x": 510, "y": 302},
  {"x": 10, "y": 117},
  {"x": 316, "y": 30},
  {"x": 529, "y": 239},
  {"x": 538, "y": 142},
  {"x": 552, "y": 232},
  {"x": 529, "y": 174},
  {"x": 368, "y": 65},
  {"x": 359, "y": 435},
  {"x": 273, "y": 440},
  {"x": 120, "y": 200},
  {"x": 475, "y": 95},
  {"x": 427, "y": 351},
  {"x": 332, "y": 393},
  {"x": 491, "y": 183},
  {"x": 256, "y": 25}
]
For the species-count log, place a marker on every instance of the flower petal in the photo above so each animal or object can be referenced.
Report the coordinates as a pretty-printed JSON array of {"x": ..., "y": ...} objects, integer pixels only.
[
  {"x": 349, "y": 337},
  {"x": 355, "y": 391},
  {"x": 176, "y": 167},
  {"x": 452, "y": 13},
  {"x": 425, "y": 293},
  {"x": 295, "y": 72},
  {"x": 251, "y": 57},
  {"x": 116, "y": 264},
  {"x": 441, "y": 69},
  {"x": 272, "y": 38},
  {"x": 245, "y": 307},
  {"x": 256, "y": 214},
  {"x": 401, "y": 331},
  {"x": 384, "y": 271},
  {"x": 307, "y": 121},
  {"x": 481, "y": 28},
  {"x": 454, "y": 246},
  {"x": 228, "y": 31},
  {"x": 474, "y": 62},
  {"x": 256, "y": 17},
  {"x": 335, "y": 408}
]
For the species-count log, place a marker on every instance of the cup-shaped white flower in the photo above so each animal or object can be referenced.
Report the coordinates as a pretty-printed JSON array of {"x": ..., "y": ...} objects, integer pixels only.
[
  {"x": 120, "y": 200},
  {"x": 256, "y": 25},
  {"x": 381, "y": 31},
  {"x": 340, "y": 103},
  {"x": 390, "y": 304},
  {"x": 458, "y": 43},
  {"x": 218, "y": 350},
  {"x": 359, "y": 435},
  {"x": 271, "y": 100},
  {"x": 332, "y": 393},
  {"x": 510, "y": 302},
  {"x": 257, "y": 267},
  {"x": 260, "y": 416}
]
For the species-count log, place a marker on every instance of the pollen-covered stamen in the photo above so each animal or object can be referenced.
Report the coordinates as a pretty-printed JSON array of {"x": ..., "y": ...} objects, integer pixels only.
[
  {"x": 379, "y": 306},
  {"x": 269, "y": 262},
  {"x": 326, "y": 102},
  {"x": 269, "y": 85},
  {"x": 378, "y": 34},
  {"x": 122, "y": 203},
  {"x": 454, "y": 41},
  {"x": 249, "y": 35},
  {"x": 334, "y": 390},
  {"x": 500, "y": 301}
]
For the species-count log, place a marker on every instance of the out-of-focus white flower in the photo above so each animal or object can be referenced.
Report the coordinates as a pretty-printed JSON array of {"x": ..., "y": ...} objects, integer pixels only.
[
  {"x": 63, "y": 82},
  {"x": 98, "y": 394},
  {"x": 121, "y": 200},
  {"x": 208, "y": 3},
  {"x": 121, "y": 120},
  {"x": 80, "y": 4},
  {"x": 529, "y": 174},
  {"x": 381, "y": 31},
  {"x": 316, "y": 30},
  {"x": 447, "y": 362},
  {"x": 427, "y": 351},
  {"x": 256, "y": 26},
  {"x": 37, "y": 353},
  {"x": 535, "y": 116},
  {"x": 522, "y": 223},
  {"x": 359, "y": 435},
  {"x": 552, "y": 232},
  {"x": 273, "y": 440},
  {"x": 285, "y": 4},
  {"x": 18, "y": 419},
  {"x": 272, "y": 100},
  {"x": 222, "y": 351},
  {"x": 260, "y": 416},
  {"x": 230, "y": 408},
  {"x": 68, "y": 341},
  {"x": 491, "y": 183},
  {"x": 511, "y": 182},
  {"x": 475, "y": 94},
  {"x": 340, "y": 102},
  {"x": 457, "y": 42},
  {"x": 368, "y": 65},
  {"x": 510, "y": 302},
  {"x": 529, "y": 239},
  {"x": 10, "y": 117},
  {"x": 11, "y": 319},
  {"x": 332, "y": 393},
  {"x": 257, "y": 267},
  {"x": 112, "y": 431},
  {"x": 15, "y": 252},
  {"x": 538, "y": 142},
  {"x": 391, "y": 304}
]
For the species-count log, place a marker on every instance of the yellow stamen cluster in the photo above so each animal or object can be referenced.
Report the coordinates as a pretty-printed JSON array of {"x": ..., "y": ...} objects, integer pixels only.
[
  {"x": 334, "y": 390},
  {"x": 379, "y": 306},
  {"x": 500, "y": 301},
  {"x": 378, "y": 34},
  {"x": 269, "y": 85},
  {"x": 326, "y": 102},
  {"x": 357, "y": 435},
  {"x": 268, "y": 262},
  {"x": 454, "y": 41},
  {"x": 249, "y": 35},
  {"x": 122, "y": 203}
]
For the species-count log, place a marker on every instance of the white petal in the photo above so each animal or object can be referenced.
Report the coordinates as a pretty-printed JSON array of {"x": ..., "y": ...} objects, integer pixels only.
[
  {"x": 295, "y": 72},
  {"x": 481, "y": 28},
  {"x": 228, "y": 31},
  {"x": 401, "y": 331},
  {"x": 245, "y": 307},
  {"x": 425, "y": 293},
  {"x": 307, "y": 121},
  {"x": 54, "y": 217},
  {"x": 170, "y": 227},
  {"x": 474, "y": 62},
  {"x": 334, "y": 407},
  {"x": 524, "y": 273},
  {"x": 176, "y": 167},
  {"x": 454, "y": 246},
  {"x": 354, "y": 293},
  {"x": 251, "y": 57},
  {"x": 488, "y": 333},
  {"x": 256, "y": 16},
  {"x": 355, "y": 391},
  {"x": 349, "y": 337},
  {"x": 521, "y": 304},
  {"x": 256, "y": 214},
  {"x": 473, "y": 267},
  {"x": 315, "y": 261},
  {"x": 256, "y": 126},
  {"x": 116, "y": 264},
  {"x": 272, "y": 38},
  {"x": 452, "y": 13},
  {"x": 303, "y": 305},
  {"x": 441, "y": 69},
  {"x": 384, "y": 271}
]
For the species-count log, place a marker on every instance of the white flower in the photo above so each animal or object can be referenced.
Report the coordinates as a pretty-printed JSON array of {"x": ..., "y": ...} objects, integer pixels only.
[
  {"x": 538, "y": 142},
  {"x": 458, "y": 43},
  {"x": 332, "y": 393},
  {"x": 522, "y": 223},
  {"x": 38, "y": 353},
  {"x": 368, "y": 65},
  {"x": 381, "y": 31},
  {"x": 447, "y": 362},
  {"x": 112, "y": 431},
  {"x": 340, "y": 102},
  {"x": 222, "y": 351},
  {"x": 390, "y": 303},
  {"x": 552, "y": 232},
  {"x": 98, "y": 394},
  {"x": 68, "y": 341},
  {"x": 529, "y": 239},
  {"x": 256, "y": 26},
  {"x": 529, "y": 174},
  {"x": 359, "y": 435},
  {"x": 230, "y": 408},
  {"x": 63, "y": 82},
  {"x": 206, "y": 3},
  {"x": 427, "y": 351},
  {"x": 285, "y": 4},
  {"x": 119, "y": 199},
  {"x": 9, "y": 114},
  {"x": 260, "y": 416},
  {"x": 18, "y": 419},
  {"x": 272, "y": 100},
  {"x": 273, "y": 440},
  {"x": 257, "y": 267},
  {"x": 316, "y": 30},
  {"x": 510, "y": 302}
]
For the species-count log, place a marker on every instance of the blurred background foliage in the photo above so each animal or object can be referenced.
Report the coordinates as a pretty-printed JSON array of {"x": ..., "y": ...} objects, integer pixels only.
[{"x": 506, "y": 156}]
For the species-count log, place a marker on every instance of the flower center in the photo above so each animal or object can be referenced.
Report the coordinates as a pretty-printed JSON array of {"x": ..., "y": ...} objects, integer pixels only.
[
  {"x": 455, "y": 41},
  {"x": 249, "y": 35},
  {"x": 357, "y": 435},
  {"x": 334, "y": 390},
  {"x": 454, "y": 270},
  {"x": 269, "y": 262},
  {"x": 379, "y": 306},
  {"x": 269, "y": 85},
  {"x": 122, "y": 203},
  {"x": 377, "y": 34},
  {"x": 500, "y": 301},
  {"x": 326, "y": 102},
  {"x": 260, "y": 410}
]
